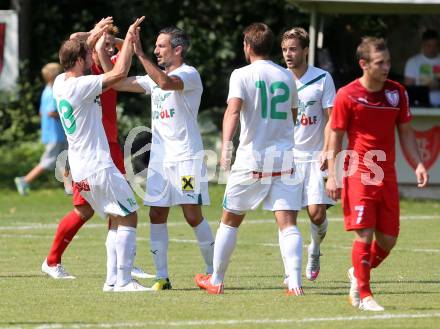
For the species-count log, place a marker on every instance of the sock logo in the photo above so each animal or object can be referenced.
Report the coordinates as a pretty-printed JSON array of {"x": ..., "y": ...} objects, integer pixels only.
[
  {"x": 365, "y": 262},
  {"x": 154, "y": 252}
]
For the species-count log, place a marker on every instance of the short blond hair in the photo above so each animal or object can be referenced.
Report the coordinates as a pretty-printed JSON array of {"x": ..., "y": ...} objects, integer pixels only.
[
  {"x": 50, "y": 71},
  {"x": 297, "y": 33}
]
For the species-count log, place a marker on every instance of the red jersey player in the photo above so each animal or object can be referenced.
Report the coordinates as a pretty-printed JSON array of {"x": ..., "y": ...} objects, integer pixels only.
[
  {"x": 73, "y": 221},
  {"x": 369, "y": 109}
]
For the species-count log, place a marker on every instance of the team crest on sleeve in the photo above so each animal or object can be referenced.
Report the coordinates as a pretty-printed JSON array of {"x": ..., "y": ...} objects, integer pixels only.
[{"x": 392, "y": 97}]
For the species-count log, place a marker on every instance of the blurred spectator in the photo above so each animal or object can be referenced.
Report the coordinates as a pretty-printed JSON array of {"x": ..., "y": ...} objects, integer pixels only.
[
  {"x": 424, "y": 69},
  {"x": 52, "y": 134}
]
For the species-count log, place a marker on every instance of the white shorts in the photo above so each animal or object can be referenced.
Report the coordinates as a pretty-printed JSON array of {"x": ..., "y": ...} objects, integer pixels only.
[
  {"x": 313, "y": 184},
  {"x": 244, "y": 192},
  {"x": 108, "y": 193},
  {"x": 176, "y": 183}
]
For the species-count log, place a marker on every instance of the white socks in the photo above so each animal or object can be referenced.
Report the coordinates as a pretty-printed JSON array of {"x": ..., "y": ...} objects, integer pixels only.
[
  {"x": 206, "y": 243},
  {"x": 159, "y": 248},
  {"x": 110, "y": 245},
  {"x": 291, "y": 249},
  {"x": 280, "y": 242},
  {"x": 125, "y": 252},
  {"x": 317, "y": 235},
  {"x": 225, "y": 242}
]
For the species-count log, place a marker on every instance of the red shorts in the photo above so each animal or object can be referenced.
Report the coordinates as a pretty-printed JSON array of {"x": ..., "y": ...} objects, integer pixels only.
[
  {"x": 371, "y": 206},
  {"x": 117, "y": 156},
  {"x": 118, "y": 160}
]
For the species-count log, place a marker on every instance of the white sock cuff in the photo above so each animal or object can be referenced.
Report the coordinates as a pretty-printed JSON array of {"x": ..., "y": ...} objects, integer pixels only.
[
  {"x": 202, "y": 224},
  {"x": 126, "y": 228},
  {"x": 157, "y": 228},
  {"x": 290, "y": 230},
  {"x": 227, "y": 227}
]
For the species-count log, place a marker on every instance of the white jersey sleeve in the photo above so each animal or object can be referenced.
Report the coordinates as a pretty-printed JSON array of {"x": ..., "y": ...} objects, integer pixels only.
[
  {"x": 329, "y": 92},
  {"x": 189, "y": 76},
  {"x": 236, "y": 89},
  {"x": 145, "y": 82},
  {"x": 90, "y": 86}
]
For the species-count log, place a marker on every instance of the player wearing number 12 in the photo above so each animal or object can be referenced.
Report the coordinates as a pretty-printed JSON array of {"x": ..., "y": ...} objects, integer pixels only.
[{"x": 263, "y": 97}]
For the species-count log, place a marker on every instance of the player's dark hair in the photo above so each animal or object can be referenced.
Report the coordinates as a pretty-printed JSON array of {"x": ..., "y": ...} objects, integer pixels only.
[
  {"x": 364, "y": 48},
  {"x": 297, "y": 33},
  {"x": 178, "y": 37},
  {"x": 70, "y": 51},
  {"x": 430, "y": 34},
  {"x": 260, "y": 38}
]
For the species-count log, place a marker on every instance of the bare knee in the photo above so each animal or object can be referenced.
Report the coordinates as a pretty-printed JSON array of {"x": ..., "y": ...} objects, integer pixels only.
[
  {"x": 193, "y": 214},
  {"x": 158, "y": 215},
  {"x": 129, "y": 220},
  {"x": 386, "y": 242},
  {"x": 193, "y": 220},
  {"x": 317, "y": 214},
  {"x": 84, "y": 211}
]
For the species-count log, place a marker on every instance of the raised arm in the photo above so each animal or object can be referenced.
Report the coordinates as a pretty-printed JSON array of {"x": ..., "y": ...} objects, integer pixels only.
[
  {"x": 92, "y": 36},
  {"x": 164, "y": 81},
  {"x": 104, "y": 58},
  {"x": 120, "y": 69},
  {"x": 129, "y": 84},
  {"x": 409, "y": 144}
]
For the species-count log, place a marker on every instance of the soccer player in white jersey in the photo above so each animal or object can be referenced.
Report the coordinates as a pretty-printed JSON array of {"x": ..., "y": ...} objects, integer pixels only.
[
  {"x": 176, "y": 171},
  {"x": 93, "y": 171},
  {"x": 263, "y": 97},
  {"x": 316, "y": 93}
]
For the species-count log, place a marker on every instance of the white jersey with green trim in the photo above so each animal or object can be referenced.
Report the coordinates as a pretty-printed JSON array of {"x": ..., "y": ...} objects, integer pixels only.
[
  {"x": 316, "y": 92},
  {"x": 79, "y": 107},
  {"x": 268, "y": 93},
  {"x": 175, "y": 132}
]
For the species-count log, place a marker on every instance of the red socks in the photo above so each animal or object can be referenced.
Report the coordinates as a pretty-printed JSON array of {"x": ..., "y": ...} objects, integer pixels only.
[
  {"x": 366, "y": 257},
  {"x": 66, "y": 230},
  {"x": 361, "y": 261},
  {"x": 377, "y": 255}
]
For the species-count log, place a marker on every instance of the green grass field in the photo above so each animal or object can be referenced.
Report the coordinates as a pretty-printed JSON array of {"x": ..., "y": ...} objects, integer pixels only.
[{"x": 407, "y": 284}]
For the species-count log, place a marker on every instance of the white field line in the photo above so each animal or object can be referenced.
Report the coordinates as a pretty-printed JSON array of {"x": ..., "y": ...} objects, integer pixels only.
[
  {"x": 192, "y": 323},
  {"x": 37, "y": 226},
  {"x": 26, "y": 236},
  {"x": 190, "y": 241}
]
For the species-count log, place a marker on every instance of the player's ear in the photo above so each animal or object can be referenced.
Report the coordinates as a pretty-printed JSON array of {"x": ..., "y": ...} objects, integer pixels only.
[
  {"x": 363, "y": 64},
  {"x": 306, "y": 51},
  {"x": 178, "y": 50}
]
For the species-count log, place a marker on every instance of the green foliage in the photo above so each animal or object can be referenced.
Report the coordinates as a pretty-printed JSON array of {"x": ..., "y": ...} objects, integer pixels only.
[
  {"x": 215, "y": 29},
  {"x": 19, "y": 120},
  {"x": 18, "y": 160}
]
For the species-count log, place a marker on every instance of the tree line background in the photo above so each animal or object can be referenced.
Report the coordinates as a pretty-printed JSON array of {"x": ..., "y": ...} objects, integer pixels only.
[{"x": 215, "y": 28}]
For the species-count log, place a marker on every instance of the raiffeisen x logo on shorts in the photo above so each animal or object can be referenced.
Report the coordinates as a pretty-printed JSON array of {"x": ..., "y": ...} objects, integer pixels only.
[{"x": 187, "y": 183}]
